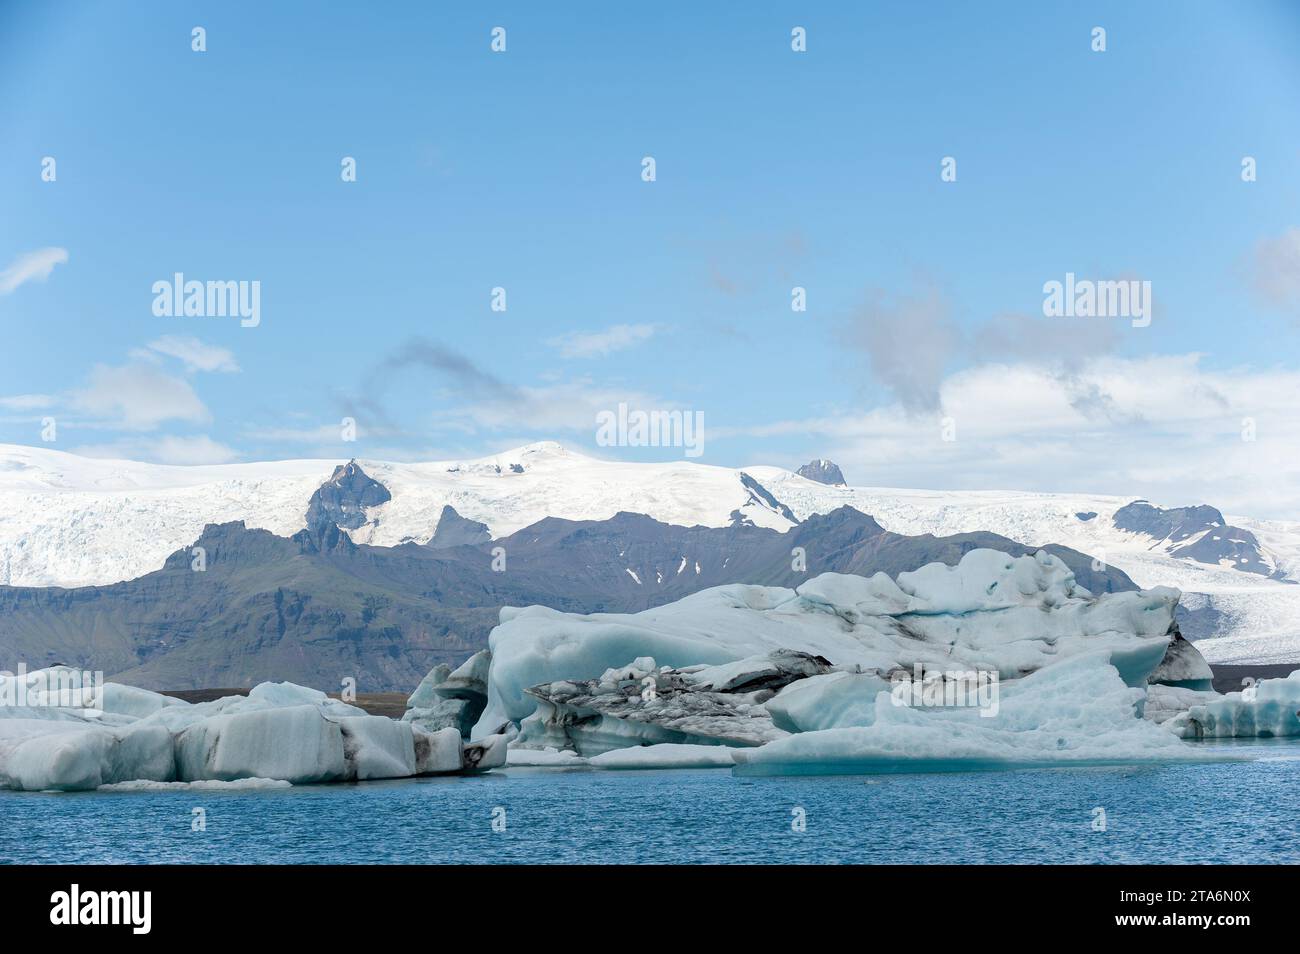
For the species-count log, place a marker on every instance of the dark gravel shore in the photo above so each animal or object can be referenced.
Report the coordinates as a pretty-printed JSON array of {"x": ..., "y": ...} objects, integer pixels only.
[{"x": 1228, "y": 678}]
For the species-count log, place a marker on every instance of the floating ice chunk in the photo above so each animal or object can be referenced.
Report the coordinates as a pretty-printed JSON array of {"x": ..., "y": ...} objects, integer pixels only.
[
  {"x": 40, "y": 755},
  {"x": 1185, "y": 667},
  {"x": 424, "y": 697},
  {"x": 1165, "y": 702},
  {"x": 280, "y": 731},
  {"x": 136, "y": 703},
  {"x": 771, "y": 670},
  {"x": 550, "y": 757},
  {"x": 437, "y": 753},
  {"x": 831, "y": 701},
  {"x": 992, "y": 612},
  {"x": 443, "y": 714},
  {"x": 1268, "y": 709},
  {"x": 667, "y": 755},
  {"x": 487, "y": 753},
  {"x": 469, "y": 680},
  {"x": 377, "y": 748},
  {"x": 283, "y": 694},
  {"x": 447, "y": 698},
  {"x": 641, "y": 667},
  {"x": 205, "y": 785},
  {"x": 295, "y": 743},
  {"x": 988, "y": 579},
  {"x": 1077, "y": 712}
]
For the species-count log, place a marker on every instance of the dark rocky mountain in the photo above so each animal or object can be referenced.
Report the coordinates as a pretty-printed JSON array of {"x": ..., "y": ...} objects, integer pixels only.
[
  {"x": 762, "y": 497},
  {"x": 822, "y": 471},
  {"x": 316, "y": 607},
  {"x": 341, "y": 500},
  {"x": 1197, "y": 533},
  {"x": 453, "y": 530}
]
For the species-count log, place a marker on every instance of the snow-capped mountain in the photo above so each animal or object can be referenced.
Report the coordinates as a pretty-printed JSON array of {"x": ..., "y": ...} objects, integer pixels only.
[{"x": 72, "y": 521}]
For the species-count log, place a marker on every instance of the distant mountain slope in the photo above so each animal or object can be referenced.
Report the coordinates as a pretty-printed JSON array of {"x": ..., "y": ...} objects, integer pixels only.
[
  {"x": 72, "y": 521},
  {"x": 316, "y": 608}
]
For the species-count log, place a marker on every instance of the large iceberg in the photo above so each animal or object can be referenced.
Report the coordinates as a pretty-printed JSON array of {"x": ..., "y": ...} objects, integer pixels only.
[
  {"x": 1076, "y": 712},
  {"x": 990, "y": 612},
  {"x": 1061, "y": 675},
  {"x": 279, "y": 732}
]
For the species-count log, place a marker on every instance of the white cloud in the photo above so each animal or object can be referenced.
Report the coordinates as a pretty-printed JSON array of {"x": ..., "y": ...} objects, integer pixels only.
[
  {"x": 27, "y": 402},
  {"x": 195, "y": 354},
  {"x": 1165, "y": 428},
  {"x": 168, "y": 449},
  {"x": 598, "y": 344},
  {"x": 31, "y": 266},
  {"x": 544, "y": 410},
  {"x": 137, "y": 397}
]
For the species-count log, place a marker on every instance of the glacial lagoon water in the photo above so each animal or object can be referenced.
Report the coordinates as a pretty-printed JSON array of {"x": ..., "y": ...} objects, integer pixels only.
[{"x": 1198, "y": 813}]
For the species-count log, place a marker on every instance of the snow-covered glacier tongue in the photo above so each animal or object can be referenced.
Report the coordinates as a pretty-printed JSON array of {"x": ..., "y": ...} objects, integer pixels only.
[{"x": 808, "y": 680}]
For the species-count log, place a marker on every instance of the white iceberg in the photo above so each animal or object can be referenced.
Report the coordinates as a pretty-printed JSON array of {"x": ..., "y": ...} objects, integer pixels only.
[
  {"x": 666, "y": 755},
  {"x": 991, "y": 612},
  {"x": 280, "y": 732},
  {"x": 1268, "y": 709},
  {"x": 1076, "y": 712}
]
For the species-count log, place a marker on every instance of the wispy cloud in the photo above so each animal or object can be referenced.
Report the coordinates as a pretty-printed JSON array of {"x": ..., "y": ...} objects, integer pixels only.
[
  {"x": 195, "y": 354},
  {"x": 1172, "y": 430},
  {"x": 31, "y": 267},
  {"x": 909, "y": 341},
  {"x": 137, "y": 397},
  {"x": 1276, "y": 271},
  {"x": 598, "y": 344},
  {"x": 167, "y": 449},
  {"x": 27, "y": 402}
]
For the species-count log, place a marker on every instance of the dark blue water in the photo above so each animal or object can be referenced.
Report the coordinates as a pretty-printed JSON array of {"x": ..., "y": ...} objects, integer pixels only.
[{"x": 1216, "y": 812}]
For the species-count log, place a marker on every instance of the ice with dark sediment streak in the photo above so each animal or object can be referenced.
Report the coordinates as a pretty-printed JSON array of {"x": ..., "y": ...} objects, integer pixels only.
[
  {"x": 279, "y": 732},
  {"x": 1072, "y": 671}
]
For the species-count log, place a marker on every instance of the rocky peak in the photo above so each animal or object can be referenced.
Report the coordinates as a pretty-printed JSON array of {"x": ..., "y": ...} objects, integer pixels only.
[
  {"x": 341, "y": 500},
  {"x": 453, "y": 530},
  {"x": 824, "y": 472}
]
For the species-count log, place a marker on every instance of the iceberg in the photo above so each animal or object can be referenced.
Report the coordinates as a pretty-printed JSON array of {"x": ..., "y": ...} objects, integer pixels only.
[
  {"x": 1076, "y": 712},
  {"x": 1268, "y": 709},
  {"x": 278, "y": 734},
  {"x": 1012, "y": 616},
  {"x": 448, "y": 698},
  {"x": 641, "y": 705}
]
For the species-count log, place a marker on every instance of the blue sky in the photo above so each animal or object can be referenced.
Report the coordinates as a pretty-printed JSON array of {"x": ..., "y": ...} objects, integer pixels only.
[{"x": 522, "y": 170}]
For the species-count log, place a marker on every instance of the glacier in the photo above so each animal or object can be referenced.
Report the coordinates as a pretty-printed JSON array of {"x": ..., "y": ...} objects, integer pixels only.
[{"x": 67, "y": 520}]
